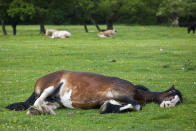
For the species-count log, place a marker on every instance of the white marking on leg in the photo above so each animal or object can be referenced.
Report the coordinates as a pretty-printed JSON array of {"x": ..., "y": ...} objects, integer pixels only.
[
  {"x": 113, "y": 102},
  {"x": 128, "y": 106},
  {"x": 43, "y": 96}
]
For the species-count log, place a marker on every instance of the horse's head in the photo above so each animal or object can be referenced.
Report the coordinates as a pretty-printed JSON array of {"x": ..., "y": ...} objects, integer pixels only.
[{"x": 170, "y": 97}]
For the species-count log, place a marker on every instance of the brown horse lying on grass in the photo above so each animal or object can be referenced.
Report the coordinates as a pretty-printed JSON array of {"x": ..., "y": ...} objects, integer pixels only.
[{"x": 87, "y": 90}]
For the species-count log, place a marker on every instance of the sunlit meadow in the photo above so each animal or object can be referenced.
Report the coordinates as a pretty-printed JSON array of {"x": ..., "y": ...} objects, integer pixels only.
[{"x": 154, "y": 56}]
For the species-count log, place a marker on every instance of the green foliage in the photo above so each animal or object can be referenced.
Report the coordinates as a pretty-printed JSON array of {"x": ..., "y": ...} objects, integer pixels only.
[
  {"x": 143, "y": 12},
  {"x": 85, "y": 8},
  {"x": 111, "y": 8},
  {"x": 20, "y": 9},
  {"x": 59, "y": 10},
  {"x": 190, "y": 8},
  {"x": 172, "y": 9},
  {"x": 4, "y": 4},
  {"x": 41, "y": 7},
  {"x": 98, "y": 11},
  {"x": 26, "y": 57}
]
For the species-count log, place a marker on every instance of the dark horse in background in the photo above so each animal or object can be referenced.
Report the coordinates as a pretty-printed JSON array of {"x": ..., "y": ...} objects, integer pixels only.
[
  {"x": 85, "y": 90},
  {"x": 192, "y": 27}
]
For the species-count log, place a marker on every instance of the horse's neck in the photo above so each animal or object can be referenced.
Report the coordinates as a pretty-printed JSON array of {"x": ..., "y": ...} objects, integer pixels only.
[{"x": 147, "y": 96}]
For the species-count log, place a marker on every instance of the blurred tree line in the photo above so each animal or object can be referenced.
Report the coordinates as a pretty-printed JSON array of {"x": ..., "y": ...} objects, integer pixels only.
[{"x": 14, "y": 12}]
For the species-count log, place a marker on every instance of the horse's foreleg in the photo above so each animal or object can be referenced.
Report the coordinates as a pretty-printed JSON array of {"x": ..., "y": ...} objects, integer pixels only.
[
  {"x": 110, "y": 106},
  {"x": 113, "y": 106},
  {"x": 128, "y": 102}
]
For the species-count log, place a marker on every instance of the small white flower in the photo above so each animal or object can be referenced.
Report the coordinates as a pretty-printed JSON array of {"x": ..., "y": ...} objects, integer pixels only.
[
  {"x": 161, "y": 49},
  {"x": 182, "y": 68}
]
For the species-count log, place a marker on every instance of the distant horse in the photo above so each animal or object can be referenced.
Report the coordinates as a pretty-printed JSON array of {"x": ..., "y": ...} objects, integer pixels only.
[
  {"x": 192, "y": 27},
  {"x": 61, "y": 34},
  {"x": 58, "y": 34},
  {"x": 49, "y": 32},
  {"x": 85, "y": 90},
  {"x": 107, "y": 33}
]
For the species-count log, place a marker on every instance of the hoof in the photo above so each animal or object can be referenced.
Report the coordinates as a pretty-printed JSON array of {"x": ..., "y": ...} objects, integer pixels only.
[
  {"x": 33, "y": 111},
  {"x": 138, "y": 107},
  {"x": 103, "y": 108},
  {"x": 43, "y": 110}
]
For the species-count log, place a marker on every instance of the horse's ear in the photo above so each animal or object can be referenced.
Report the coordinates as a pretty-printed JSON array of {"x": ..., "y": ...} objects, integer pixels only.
[{"x": 172, "y": 87}]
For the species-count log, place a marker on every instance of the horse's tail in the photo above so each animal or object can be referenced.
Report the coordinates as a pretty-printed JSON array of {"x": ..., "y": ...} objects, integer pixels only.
[{"x": 23, "y": 105}]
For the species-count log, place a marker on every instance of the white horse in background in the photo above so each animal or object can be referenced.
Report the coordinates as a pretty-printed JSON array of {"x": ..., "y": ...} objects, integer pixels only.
[
  {"x": 49, "y": 32},
  {"x": 58, "y": 34},
  {"x": 61, "y": 34}
]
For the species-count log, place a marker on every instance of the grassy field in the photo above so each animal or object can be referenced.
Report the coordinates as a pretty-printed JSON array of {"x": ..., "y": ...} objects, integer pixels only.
[{"x": 155, "y": 56}]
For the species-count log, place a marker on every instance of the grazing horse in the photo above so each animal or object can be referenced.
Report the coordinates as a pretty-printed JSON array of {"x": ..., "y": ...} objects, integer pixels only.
[
  {"x": 88, "y": 90},
  {"x": 192, "y": 27}
]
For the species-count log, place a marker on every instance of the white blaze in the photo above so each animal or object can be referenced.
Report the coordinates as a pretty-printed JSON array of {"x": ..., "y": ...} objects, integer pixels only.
[{"x": 170, "y": 103}]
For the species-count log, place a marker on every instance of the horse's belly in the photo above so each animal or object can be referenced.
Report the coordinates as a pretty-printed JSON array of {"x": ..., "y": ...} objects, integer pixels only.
[{"x": 72, "y": 100}]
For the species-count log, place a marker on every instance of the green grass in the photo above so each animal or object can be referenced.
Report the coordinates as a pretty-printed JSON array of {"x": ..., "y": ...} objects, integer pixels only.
[{"x": 28, "y": 55}]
